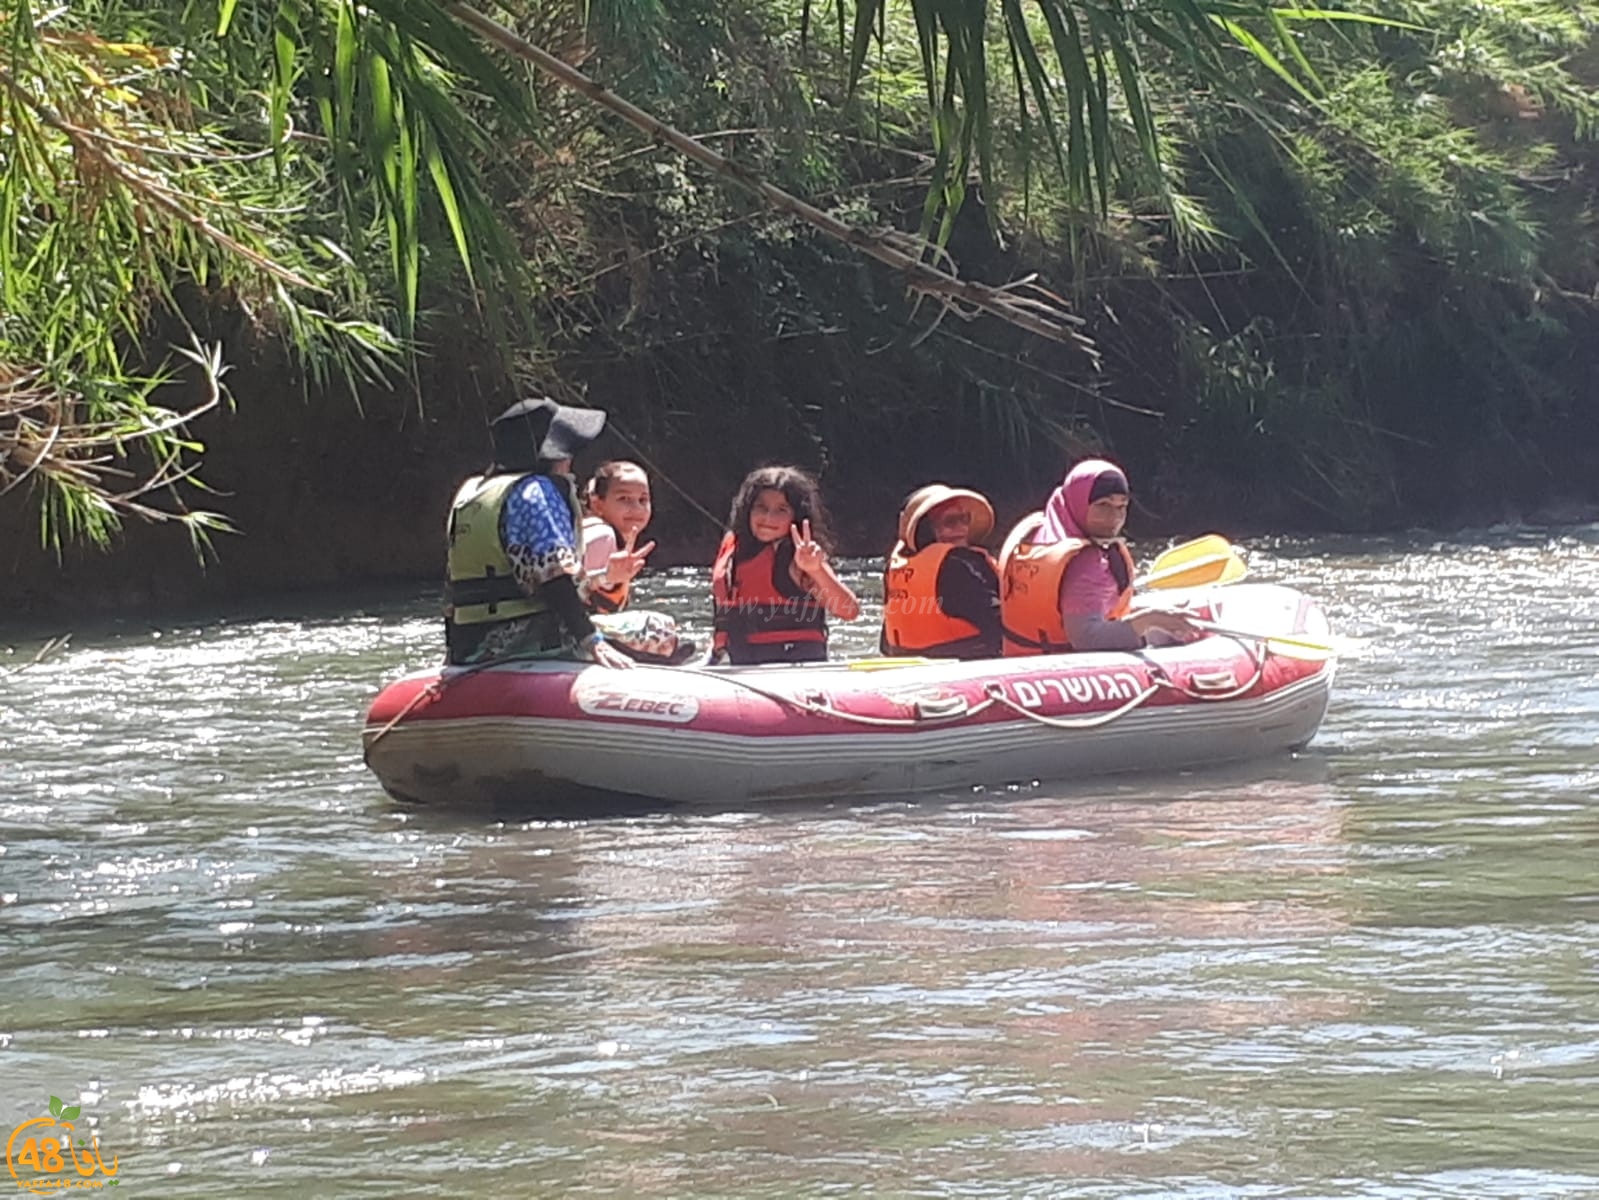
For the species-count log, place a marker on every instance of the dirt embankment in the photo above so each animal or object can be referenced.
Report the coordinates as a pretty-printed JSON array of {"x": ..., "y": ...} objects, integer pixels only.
[{"x": 326, "y": 495}]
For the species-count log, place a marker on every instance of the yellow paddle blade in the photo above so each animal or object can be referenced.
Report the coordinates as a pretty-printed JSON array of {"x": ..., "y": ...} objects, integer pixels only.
[
  {"x": 1212, "y": 545},
  {"x": 1205, "y": 560},
  {"x": 1197, "y": 572}
]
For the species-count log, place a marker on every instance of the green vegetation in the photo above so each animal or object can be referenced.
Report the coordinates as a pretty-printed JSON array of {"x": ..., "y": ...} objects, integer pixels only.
[
  {"x": 148, "y": 175},
  {"x": 1321, "y": 255},
  {"x": 1324, "y": 308}
]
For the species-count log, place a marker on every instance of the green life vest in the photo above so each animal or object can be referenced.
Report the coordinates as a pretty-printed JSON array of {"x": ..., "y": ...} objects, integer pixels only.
[{"x": 482, "y": 586}]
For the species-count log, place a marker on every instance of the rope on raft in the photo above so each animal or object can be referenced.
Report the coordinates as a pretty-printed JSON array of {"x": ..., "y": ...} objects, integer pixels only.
[
  {"x": 996, "y": 696},
  {"x": 808, "y": 705},
  {"x": 1257, "y": 661},
  {"x": 1094, "y": 722},
  {"x": 1160, "y": 680},
  {"x": 431, "y": 692}
]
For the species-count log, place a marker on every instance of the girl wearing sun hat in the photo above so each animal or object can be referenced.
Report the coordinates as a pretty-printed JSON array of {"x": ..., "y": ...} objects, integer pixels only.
[{"x": 941, "y": 589}]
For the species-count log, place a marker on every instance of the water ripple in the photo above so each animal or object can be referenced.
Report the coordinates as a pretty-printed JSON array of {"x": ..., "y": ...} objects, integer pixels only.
[{"x": 1364, "y": 972}]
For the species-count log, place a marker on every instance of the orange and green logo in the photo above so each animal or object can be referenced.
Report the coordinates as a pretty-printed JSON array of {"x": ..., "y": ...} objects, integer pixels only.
[{"x": 45, "y": 1154}]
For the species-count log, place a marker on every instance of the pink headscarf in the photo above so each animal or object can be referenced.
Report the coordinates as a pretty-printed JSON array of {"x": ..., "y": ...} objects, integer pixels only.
[{"x": 1068, "y": 504}]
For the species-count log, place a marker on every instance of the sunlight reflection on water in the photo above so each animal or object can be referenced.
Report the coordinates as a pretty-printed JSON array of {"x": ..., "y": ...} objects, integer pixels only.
[{"x": 1368, "y": 971}]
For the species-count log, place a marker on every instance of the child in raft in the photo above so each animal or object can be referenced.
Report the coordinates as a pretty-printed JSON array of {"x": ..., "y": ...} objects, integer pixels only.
[
  {"x": 941, "y": 588},
  {"x": 617, "y": 500},
  {"x": 772, "y": 585},
  {"x": 617, "y": 508}
]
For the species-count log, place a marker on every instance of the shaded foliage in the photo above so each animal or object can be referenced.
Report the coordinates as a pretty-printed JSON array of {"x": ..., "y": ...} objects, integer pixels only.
[
  {"x": 1314, "y": 252},
  {"x": 1322, "y": 312}
]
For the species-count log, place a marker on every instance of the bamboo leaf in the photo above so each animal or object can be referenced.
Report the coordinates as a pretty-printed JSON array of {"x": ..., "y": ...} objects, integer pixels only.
[
  {"x": 428, "y": 24},
  {"x": 927, "y": 41},
  {"x": 1022, "y": 47},
  {"x": 439, "y": 172},
  {"x": 1100, "y": 147},
  {"x": 867, "y": 13},
  {"x": 1333, "y": 14},
  {"x": 409, "y": 205},
  {"x": 1024, "y": 124},
  {"x": 380, "y": 107},
  {"x": 285, "y": 48},
  {"x": 1066, "y": 36},
  {"x": 1264, "y": 55},
  {"x": 978, "y": 129},
  {"x": 346, "y": 54},
  {"x": 1286, "y": 37}
]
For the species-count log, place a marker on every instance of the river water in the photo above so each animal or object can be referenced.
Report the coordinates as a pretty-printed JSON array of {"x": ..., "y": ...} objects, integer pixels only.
[{"x": 1372, "y": 970}]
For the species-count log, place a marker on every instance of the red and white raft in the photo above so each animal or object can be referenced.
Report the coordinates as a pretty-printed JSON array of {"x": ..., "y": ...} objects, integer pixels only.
[{"x": 528, "y": 734}]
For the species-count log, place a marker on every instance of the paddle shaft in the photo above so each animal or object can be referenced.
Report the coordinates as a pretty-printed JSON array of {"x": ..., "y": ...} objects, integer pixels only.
[{"x": 1251, "y": 635}]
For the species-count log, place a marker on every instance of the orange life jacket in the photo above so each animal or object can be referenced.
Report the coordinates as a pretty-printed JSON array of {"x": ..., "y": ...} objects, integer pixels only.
[
  {"x": 758, "y": 618},
  {"x": 914, "y": 620},
  {"x": 1029, "y": 595}
]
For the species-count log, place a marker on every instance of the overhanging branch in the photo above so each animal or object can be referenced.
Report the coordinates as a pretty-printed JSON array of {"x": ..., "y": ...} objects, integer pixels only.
[{"x": 1022, "y": 303}]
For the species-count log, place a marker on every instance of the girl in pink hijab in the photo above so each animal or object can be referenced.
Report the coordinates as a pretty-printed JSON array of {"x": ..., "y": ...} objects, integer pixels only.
[{"x": 1090, "y": 506}]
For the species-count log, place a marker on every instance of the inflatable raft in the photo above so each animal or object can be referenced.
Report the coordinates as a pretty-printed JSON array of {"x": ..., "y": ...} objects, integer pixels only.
[{"x": 543, "y": 733}]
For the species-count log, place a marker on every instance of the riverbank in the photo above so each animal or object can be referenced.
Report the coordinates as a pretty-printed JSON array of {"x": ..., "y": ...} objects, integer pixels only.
[
  {"x": 1291, "y": 340},
  {"x": 345, "y": 499}
]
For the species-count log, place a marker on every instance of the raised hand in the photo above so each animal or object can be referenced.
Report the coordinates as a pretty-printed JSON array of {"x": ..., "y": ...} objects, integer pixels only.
[
  {"x": 624, "y": 566},
  {"x": 808, "y": 554}
]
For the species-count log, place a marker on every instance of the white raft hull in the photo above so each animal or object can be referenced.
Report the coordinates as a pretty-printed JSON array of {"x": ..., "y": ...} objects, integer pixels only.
[{"x": 547, "y": 734}]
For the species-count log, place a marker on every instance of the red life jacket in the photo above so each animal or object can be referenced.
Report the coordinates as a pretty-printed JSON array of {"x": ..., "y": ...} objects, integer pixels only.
[
  {"x": 1030, "y": 582},
  {"x": 762, "y": 615},
  {"x": 914, "y": 620}
]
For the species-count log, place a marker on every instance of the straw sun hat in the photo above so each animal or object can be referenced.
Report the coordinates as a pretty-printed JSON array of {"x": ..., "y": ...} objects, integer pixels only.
[{"x": 921, "y": 503}]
